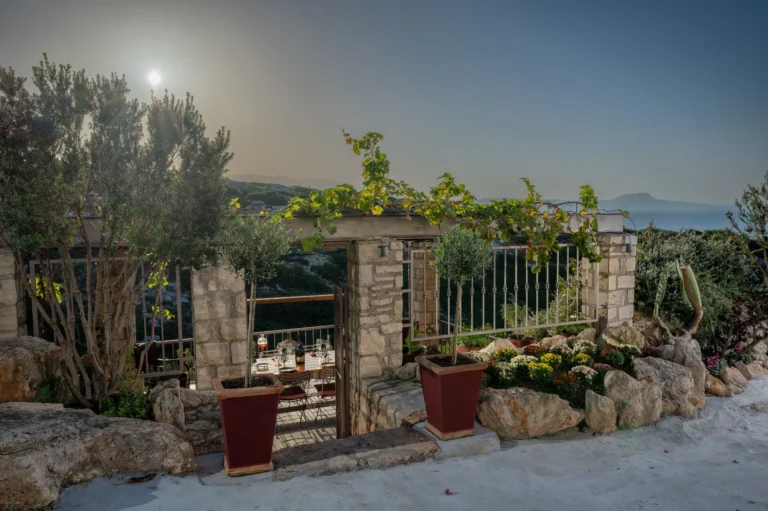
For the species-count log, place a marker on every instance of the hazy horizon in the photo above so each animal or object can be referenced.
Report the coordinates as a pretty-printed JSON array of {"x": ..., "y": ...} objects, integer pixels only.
[{"x": 665, "y": 97}]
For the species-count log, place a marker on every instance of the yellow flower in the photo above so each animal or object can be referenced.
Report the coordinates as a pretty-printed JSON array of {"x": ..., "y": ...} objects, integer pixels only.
[
  {"x": 581, "y": 359},
  {"x": 551, "y": 359}
]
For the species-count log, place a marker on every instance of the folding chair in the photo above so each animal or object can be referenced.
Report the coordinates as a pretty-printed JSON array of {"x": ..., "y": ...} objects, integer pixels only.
[
  {"x": 326, "y": 388},
  {"x": 295, "y": 389}
]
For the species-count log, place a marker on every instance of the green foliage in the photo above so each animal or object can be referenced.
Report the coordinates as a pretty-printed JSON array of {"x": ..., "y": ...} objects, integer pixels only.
[
  {"x": 539, "y": 221},
  {"x": 133, "y": 404},
  {"x": 750, "y": 224},
  {"x": 477, "y": 340},
  {"x": 721, "y": 273},
  {"x": 256, "y": 245},
  {"x": 461, "y": 255},
  {"x": 540, "y": 372},
  {"x": 51, "y": 390},
  {"x": 79, "y": 154}
]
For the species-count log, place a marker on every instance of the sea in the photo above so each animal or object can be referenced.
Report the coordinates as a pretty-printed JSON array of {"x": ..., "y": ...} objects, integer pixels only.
[{"x": 678, "y": 220}]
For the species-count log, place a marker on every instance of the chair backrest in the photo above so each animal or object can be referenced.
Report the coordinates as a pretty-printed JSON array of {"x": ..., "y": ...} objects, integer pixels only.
[
  {"x": 288, "y": 343},
  {"x": 327, "y": 376},
  {"x": 295, "y": 379}
]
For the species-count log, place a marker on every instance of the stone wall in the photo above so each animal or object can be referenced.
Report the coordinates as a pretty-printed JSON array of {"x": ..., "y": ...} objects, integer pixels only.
[
  {"x": 386, "y": 403},
  {"x": 11, "y": 312},
  {"x": 220, "y": 326},
  {"x": 616, "y": 285}
]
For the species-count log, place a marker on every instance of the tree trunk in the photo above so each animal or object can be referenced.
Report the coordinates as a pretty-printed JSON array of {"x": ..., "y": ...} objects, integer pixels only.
[
  {"x": 457, "y": 327},
  {"x": 249, "y": 340}
]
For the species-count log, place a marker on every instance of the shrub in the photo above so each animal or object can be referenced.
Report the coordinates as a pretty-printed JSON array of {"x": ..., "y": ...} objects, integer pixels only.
[
  {"x": 474, "y": 341},
  {"x": 540, "y": 373},
  {"x": 551, "y": 359},
  {"x": 581, "y": 359},
  {"x": 630, "y": 352},
  {"x": 133, "y": 404},
  {"x": 613, "y": 357},
  {"x": 505, "y": 354},
  {"x": 584, "y": 372},
  {"x": 563, "y": 351},
  {"x": 586, "y": 347},
  {"x": 721, "y": 271}
]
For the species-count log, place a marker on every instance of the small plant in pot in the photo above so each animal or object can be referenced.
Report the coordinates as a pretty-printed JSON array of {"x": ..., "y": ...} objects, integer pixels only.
[
  {"x": 254, "y": 246},
  {"x": 451, "y": 383}
]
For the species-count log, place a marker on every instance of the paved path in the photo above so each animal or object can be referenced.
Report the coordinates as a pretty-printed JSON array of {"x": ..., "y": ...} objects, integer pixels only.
[{"x": 716, "y": 462}]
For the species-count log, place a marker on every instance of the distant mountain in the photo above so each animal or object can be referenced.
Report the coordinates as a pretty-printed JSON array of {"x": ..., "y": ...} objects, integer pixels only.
[
  {"x": 312, "y": 182},
  {"x": 645, "y": 202}
]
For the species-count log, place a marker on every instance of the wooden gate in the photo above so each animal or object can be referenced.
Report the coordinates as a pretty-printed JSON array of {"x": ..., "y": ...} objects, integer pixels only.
[{"x": 341, "y": 334}]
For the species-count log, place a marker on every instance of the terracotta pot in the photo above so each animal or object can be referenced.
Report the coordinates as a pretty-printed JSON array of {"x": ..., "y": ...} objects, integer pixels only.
[
  {"x": 467, "y": 349},
  {"x": 450, "y": 394},
  {"x": 248, "y": 418}
]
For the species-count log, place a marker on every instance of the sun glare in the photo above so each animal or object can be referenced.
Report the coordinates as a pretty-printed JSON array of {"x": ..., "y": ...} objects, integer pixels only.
[{"x": 154, "y": 78}]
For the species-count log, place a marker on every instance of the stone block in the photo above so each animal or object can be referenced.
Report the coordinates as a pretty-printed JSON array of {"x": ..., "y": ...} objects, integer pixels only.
[
  {"x": 626, "y": 312},
  {"x": 204, "y": 374},
  {"x": 209, "y": 307},
  {"x": 371, "y": 342},
  {"x": 391, "y": 328},
  {"x": 214, "y": 354},
  {"x": 484, "y": 441},
  {"x": 626, "y": 282},
  {"x": 630, "y": 263},
  {"x": 370, "y": 367},
  {"x": 608, "y": 283},
  {"x": 6, "y": 264},
  {"x": 381, "y": 302},
  {"x": 239, "y": 352},
  {"x": 609, "y": 265},
  {"x": 230, "y": 371},
  {"x": 233, "y": 329}
]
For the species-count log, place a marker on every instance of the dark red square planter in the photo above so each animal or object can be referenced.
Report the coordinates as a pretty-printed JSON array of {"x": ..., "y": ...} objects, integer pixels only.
[
  {"x": 248, "y": 419},
  {"x": 450, "y": 394}
]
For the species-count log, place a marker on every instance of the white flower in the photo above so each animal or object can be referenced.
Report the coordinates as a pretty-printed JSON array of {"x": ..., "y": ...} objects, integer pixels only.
[
  {"x": 584, "y": 347},
  {"x": 585, "y": 371},
  {"x": 521, "y": 360}
]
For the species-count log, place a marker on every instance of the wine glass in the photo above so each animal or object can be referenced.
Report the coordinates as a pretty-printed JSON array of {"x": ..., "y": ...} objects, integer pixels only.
[
  {"x": 262, "y": 344},
  {"x": 324, "y": 351}
]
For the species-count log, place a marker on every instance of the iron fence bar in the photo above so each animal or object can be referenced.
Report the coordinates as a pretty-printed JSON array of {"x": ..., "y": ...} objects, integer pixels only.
[
  {"x": 483, "y": 304},
  {"x": 578, "y": 281},
  {"x": 567, "y": 280},
  {"x": 35, "y": 319},
  {"x": 595, "y": 272},
  {"x": 527, "y": 291},
  {"x": 493, "y": 290},
  {"x": 472, "y": 304},
  {"x": 180, "y": 352},
  {"x": 504, "y": 288},
  {"x": 449, "y": 306},
  {"x": 537, "y": 288},
  {"x": 557, "y": 286},
  {"x": 546, "y": 287},
  {"x": 517, "y": 290}
]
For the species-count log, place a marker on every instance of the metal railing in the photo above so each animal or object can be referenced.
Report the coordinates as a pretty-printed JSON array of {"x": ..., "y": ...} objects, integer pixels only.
[
  {"x": 308, "y": 336},
  {"x": 509, "y": 298}
]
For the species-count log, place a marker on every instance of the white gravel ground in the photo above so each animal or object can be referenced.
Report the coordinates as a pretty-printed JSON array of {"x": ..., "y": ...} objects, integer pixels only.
[{"x": 718, "y": 461}]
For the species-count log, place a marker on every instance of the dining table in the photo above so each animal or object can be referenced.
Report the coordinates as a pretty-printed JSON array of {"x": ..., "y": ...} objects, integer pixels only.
[{"x": 313, "y": 363}]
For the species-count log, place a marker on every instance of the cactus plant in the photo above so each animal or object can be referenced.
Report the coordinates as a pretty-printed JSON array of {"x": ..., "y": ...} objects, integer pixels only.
[{"x": 691, "y": 291}]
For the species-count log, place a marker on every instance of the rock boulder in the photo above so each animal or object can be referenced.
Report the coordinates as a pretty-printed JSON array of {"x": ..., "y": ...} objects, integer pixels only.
[
  {"x": 677, "y": 388},
  {"x": 523, "y": 413},
  {"x": 195, "y": 413},
  {"x": 688, "y": 354},
  {"x": 716, "y": 387},
  {"x": 25, "y": 363},
  {"x": 587, "y": 334},
  {"x": 47, "y": 447},
  {"x": 623, "y": 334},
  {"x": 734, "y": 380},
  {"x": 166, "y": 403},
  {"x": 600, "y": 413},
  {"x": 638, "y": 403},
  {"x": 498, "y": 344},
  {"x": 553, "y": 342},
  {"x": 752, "y": 371}
]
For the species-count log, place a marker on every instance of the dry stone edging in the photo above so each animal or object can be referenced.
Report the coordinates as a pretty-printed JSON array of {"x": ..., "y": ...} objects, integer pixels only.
[
  {"x": 716, "y": 387},
  {"x": 734, "y": 380},
  {"x": 519, "y": 413},
  {"x": 678, "y": 396},
  {"x": 600, "y": 413},
  {"x": 44, "y": 447},
  {"x": 637, "y": 403}
]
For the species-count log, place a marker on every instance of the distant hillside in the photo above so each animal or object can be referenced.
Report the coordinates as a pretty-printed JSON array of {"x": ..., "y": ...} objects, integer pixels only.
[
  {"x": 271, "y": 194},
  {"x": 645, "y": 202}
]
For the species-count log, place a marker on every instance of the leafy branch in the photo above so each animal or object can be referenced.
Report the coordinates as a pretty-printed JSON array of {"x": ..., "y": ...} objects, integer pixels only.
[{"x": 539, "y": 221}]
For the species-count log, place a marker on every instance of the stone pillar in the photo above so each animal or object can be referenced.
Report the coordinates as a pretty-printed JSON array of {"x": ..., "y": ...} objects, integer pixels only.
[
  {"x": 616, "y": 285},
  {"x": 426, "y": 288},
  {"x": 11, "y": 300},
  {"x": 375, "y": 286},
  {"x": 220, "y": 324},
  {"x": 375, "y": 291}
]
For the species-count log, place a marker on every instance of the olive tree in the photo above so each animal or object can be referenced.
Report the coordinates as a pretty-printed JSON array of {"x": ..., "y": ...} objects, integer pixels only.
[
  {"x": 104, "y": 193},
  {"x": 461, "y": 255},
  {"x": 255, "y": 245},
  {"x": 750, "y": 224}
]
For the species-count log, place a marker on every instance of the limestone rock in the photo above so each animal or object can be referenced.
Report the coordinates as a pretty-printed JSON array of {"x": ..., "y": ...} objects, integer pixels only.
[
  {"x": 637, "y": 403},
  {"x": 751, "y": 371},
  {"x": 25, "y": 363},
  {"x": 651, "y": 331},
  {"x": 677, "y": 388},
  {"x": 734, "y": 380},
  {"x": 166, "y": 403},
  {"x": 498, "y": 344},
  {"x": 716, "y": 387},
  {"x": 552, "y": 342},
  {"x": 407, "y": 371},
  {"x": 688, "y": 354},
  {"x": 46, "y": 447},
  {"x": 523, "y": 413},
  {"x": 760, "y": 352},
  {"x": 600, "y": 413},
  {"x": 623, "y": 334},
  {"x": 587, "y": 335}
]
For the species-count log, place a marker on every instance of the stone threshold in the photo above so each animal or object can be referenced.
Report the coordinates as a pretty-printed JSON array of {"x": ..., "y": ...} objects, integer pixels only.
[{"x": 377, "y": 450}]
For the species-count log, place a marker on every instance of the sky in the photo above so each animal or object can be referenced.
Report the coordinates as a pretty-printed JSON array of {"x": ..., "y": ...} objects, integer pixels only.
[{"x": 666, "y": 97}]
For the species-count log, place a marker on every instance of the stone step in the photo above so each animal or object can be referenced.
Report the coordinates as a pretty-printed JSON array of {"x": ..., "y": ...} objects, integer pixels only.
[
  {"x": 484, "y": 441},
  {"x": 380, "y": 449}
]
